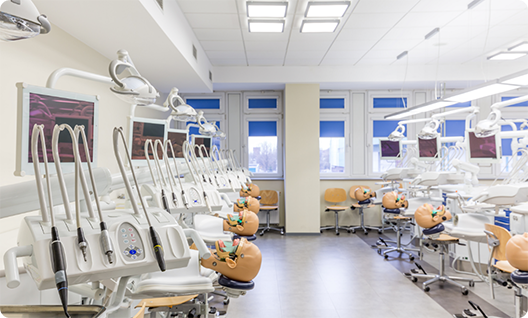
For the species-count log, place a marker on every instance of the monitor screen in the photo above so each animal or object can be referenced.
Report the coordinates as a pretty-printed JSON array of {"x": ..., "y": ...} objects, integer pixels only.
[
  {"x": 206, "y": 141},
  {"x": 177, "y": 138},
  {"x": 428, "y": 148},
  {"x": 142, "y": 130},
  {"x": 50, "y": 107},
  {"x": 389, "y": 149},
  {"x": 483, "y": 148}
]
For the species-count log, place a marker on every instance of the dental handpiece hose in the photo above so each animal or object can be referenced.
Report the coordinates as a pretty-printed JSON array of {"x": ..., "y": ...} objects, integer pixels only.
[{"x": 184, "y": 197}]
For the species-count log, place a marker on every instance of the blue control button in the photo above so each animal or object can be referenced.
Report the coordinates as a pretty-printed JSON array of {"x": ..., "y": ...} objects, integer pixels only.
[
  {"x": 133, "y": 252},
  {"x": 123, "y": 230},
  {"x": 125, "y": 241}
]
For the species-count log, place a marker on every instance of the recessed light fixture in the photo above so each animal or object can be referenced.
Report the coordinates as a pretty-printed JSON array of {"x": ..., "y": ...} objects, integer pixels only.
[
  {"x": 506, "y": 56},
  {"x": 521, "y": 47},
  {"x": 326, "y": 9},
  {"x": 310, "y": 26},
  {"x": 261, "y": 9},
  {"x": 266, "y": 25},
  {"x": 480, "y": 91},
  {"x": 519, "y": 78}
]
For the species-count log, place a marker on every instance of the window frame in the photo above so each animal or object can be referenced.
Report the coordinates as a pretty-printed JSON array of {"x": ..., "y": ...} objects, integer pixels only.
[
  {"x": 348, "y": 159},
  {"x": 220, "y": 96},
  {"x": 335, "y": 94},
  {"x": 246, "y": 96},
  {"x": 280, "y": 144},
  {"x": 388, "y": 94}
]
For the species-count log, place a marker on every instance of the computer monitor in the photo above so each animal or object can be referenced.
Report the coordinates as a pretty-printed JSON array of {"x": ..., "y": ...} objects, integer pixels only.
[
  {"x": 202, "y": 140},
  {"x": 429, "y": 149},
  {"x": 389, "y": 149},
  {"x": 177, "y": 137},
  {"x": 140, "y": 130},
  {"x": 50, "y": 107},
  {"x": 483, "y": 150}
]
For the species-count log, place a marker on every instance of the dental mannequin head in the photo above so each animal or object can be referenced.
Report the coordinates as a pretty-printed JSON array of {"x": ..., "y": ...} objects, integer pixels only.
[
  {"x": 427, "y": 217},
  {"x": 517, "y": 252},
  {"x": 364, "y": 193},
  {"x": 247, "y": 203},
  {"x": 239, "y": 261},
  {"x": 244, "y": 223},
  {"x": 250, "y": 190},
  {"x": 393, "y": 200}
]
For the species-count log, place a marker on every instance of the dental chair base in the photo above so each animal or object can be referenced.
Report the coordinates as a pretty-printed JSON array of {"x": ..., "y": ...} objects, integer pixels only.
[
  {"x": 401, "y": 222},
  {"x": 443, "y": 241},
  {"x": 361, "y": 205}
]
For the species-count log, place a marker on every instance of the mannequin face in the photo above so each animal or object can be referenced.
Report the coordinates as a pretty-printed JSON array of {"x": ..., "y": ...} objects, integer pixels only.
[
  {"x": 240, "y": 262},
  {"x": 244, "y": 223},
  {"x": 363, "y": 194},
  {"x": 248, "y": 203},
  {"x": 517, "y": 252},
  {"x": 393, "y": 200},
  {"x": 426, "y": 216}
]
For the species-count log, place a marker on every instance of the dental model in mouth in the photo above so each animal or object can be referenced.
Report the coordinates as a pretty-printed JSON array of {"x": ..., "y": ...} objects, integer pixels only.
[
  {"x": 427, "y": 217},
  {"x": 250, "y": 190},
  {"x": 363, "y": 194},
  {"x": 393, "y": 200},
  {"x": 247, "y": 203},
  {"x": 244, "y": 223}
]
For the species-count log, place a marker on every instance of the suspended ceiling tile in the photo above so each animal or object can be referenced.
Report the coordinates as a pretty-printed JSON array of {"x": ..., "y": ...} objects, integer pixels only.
[
  {"x": 407, "y": 33},
  {"x": 520, "y": 18},
  {"x": 266, "y": 45},
  {"x": 209, "y": 6},
  {"x": 291, "y": 54},
  {"x": 218, "y": 34},
  {"x": 402, "y": 45},
  {"x": 473, "y": 18},
  {"x": 264, "y": 37},
  {"x": 439, "y": 6},
  {"x": 226, "y": 54},
  {"x": 373, "y": 20},
  {"x": 375, "y": 61},
  {"x": 362, "y": 33},
  {"x": 375, "y": 6},
  {"x": 383, "y": 54},
  {"x": 312, "y": 37},
  {"x": 334, "y": 54},
  {"x": 428, "y": 19},
  {"x": 339, "y": 61},
  {"x": 212, "y": 20},
  {"x": 309, "y": 45},
  {"x": 302, "y": 62},
  {"x": 353, "y": 45},
  {"x": 265, "y": 61},
  {"x": 222, "y": 45},
  {"x": 266, "y": 55},
  {"x": 227, "y": 62},
  {"x": 500, "y": 5}
]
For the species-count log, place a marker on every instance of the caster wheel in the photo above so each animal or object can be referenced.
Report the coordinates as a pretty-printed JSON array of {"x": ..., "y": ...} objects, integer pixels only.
[
  {"x": 386, "y": 256},
  {"x": 282, "y": 232},
  {"x": 366, "y": 233},
  {"x": 379, "y": 252},
  {"x": 465, "y": 292},
  {"x": 348, "y": 231},
  {"x": 261, "y": 234},
  {"x": 380, "y": 231},
  {"x": 321, "y": 231},
  {"x": 354, "y": 231},
  {"x": 226, "y": 301},
  {"x": 426, "y": 289},
  {"x": 471, "y": 284},
  {"x": 411, "y": 258},
  {"x": 337, "y": 233},
  {"x": 414, "y": 279}
]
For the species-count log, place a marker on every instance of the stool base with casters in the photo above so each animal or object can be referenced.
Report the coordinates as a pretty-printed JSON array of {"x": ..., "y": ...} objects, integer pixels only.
[
  {"x": 267, "y": 228},
  {"x": 362, "y": 226},
  {"x": 336, "y": 227},
  {"x": 399, "y": 247},
  {"x": 442, "y": 241}
]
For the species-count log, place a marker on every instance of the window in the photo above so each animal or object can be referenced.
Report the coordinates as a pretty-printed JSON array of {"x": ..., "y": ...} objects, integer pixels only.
[
  {"x": 389, "y": 102},
  {"x": 204, "y": 103},
  {"x": 332, "y": 147},
  {"x": 263, "y": 146},
  {"x": 382, "y": 129}
]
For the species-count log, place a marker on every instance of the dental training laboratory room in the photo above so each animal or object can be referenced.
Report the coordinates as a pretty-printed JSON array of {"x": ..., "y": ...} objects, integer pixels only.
[{"x": 264, "y": 158}]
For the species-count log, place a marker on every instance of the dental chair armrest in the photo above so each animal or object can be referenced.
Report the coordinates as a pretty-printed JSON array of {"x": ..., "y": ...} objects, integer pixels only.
[
  {"x": 11, "y": 266},
  {"x": 226, "y": 199},
  {"x": 200, "y": 244}
]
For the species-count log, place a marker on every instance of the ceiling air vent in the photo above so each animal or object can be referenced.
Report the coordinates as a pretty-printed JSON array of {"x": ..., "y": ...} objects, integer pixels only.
[
  {"x": 211, "y": 76},
  {"x": 195, "y": 52},
  {"x": 160, "y": 3}
]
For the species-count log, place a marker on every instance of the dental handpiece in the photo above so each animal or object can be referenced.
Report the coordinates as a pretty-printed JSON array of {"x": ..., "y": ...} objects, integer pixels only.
[{"x": 59, "y": 268}]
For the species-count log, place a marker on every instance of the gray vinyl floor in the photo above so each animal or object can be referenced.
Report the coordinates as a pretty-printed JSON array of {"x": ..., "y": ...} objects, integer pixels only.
[{"x": 342, "y": 276}]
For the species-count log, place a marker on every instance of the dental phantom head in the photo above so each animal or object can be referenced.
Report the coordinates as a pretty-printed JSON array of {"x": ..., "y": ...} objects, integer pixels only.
[
  {"x": 247, "y": 203},
  {"x": 517, "y": 252},
  {"x": 250, "y": 190},
  {"x": 427, "y": 217},
  {"x": 364, "y": 193},
  {"x": 239, "y": 260},
  {"x": 245, "y": 223},
  {"x": 393, "y": 200}
]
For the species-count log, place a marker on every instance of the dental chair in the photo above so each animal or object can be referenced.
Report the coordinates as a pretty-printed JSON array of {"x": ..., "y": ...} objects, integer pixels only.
[
  {"x": 269, "y": 202},
  {"x": 498, "y": 265},
  {"x": 393, "y": 205},
  {"x": 363, "y": 195},
  {"x": 430, "y": 220},
  {"x": 335, "y": 195}
]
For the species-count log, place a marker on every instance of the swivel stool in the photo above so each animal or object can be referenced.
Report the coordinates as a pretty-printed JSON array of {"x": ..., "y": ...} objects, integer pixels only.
[
  {"x": 363, "y": 194},
  {"x": 400, "y": 222}
]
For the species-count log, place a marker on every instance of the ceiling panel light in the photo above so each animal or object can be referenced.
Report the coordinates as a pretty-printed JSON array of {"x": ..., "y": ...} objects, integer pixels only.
[
  {"x": 519, "y": 78},
  {"x": 258, "y": 9},
  {"x": 319, "y": 26},
  {"x": 506, "y": 56},
  {"x": 426, "y": 107},
  {"x": 521, "y": 47},
  {"x": 330, "y": 9},
  {"x": 266, "y": 26},
  {"x": 485, "y": 90}
]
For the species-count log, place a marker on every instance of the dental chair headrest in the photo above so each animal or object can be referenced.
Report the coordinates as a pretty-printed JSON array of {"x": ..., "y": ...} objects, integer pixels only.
[
  {"x": 393, "y": 211},
  {"x": 235, "y": 284},
  {"x": 434, "y": 230}
]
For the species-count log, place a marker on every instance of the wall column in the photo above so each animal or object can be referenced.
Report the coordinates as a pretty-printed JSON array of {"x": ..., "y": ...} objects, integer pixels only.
[{"x": 301, "y": 160}]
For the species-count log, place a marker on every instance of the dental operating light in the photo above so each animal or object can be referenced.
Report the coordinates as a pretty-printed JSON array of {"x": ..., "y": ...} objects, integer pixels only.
[
  {"x": 326, "y": 9},
  {"x": 262, "y": 9},
  {"x": 206, "y": 128},
  {"x": 490, "y": 126},
  {"x": 182, "y": 111},
  {"x": 20, "y": 19}
]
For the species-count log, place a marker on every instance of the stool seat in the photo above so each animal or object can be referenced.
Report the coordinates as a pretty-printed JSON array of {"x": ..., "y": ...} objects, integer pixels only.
[
  {"x": 235, "y": 284},
  {"x": 519, "y": 277},
  {"x": 433, "y": 230},
  {"x": 249, "y": 238},
  {"x": 269, "y": 207},
  {"x": 505, "y": 266},
  {"x": 394, "y": 211},
  {"x": 335, "y": 208}
]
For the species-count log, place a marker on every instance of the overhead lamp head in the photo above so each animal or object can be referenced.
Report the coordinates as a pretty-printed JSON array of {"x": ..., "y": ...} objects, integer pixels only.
[
  {"x": 134, "y": 88},
  {"x": 397, "y": 134},
  {"x": 206, "y": 128},
  {"x": 219, "y": 134},
  {"x": 430, "y": 130},
  {"x": 489, "y": 126},
  {"x": 20, "y": 19},
  {"x": 182, "y": 111}
]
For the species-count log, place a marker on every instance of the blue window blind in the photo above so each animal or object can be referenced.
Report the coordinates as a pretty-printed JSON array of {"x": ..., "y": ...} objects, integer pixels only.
[
  {"x": 262, "y": 128},
  {"x": 506, "y": 143},
  {"x": 464, "y": 104},
  {"x": 383, "y": 128},
  {"x": 332, "y": 129},
  {"x": 195, "y": 130},
  {"x": 390, "y": 102},
  {"x": 455, "y": 128},
  {"x": 332, "y": 103},
  {"x": 522, "y": 104},
  {"x": 204, "y": 103},
  {"x": 255, "y": 103}
]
